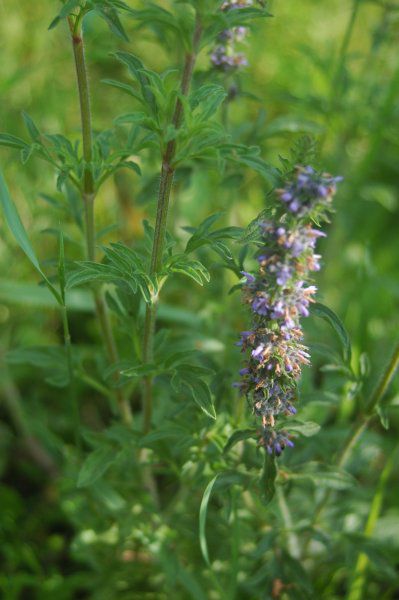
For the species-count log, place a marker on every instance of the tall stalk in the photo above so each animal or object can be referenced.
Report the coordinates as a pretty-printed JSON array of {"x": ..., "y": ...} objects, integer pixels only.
[
  {"x": 165, "y": 187},
  {"x": 89, "y": 194}
]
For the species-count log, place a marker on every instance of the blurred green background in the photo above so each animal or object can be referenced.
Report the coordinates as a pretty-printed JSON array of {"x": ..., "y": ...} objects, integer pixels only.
[{"x": 329, "y": 70}]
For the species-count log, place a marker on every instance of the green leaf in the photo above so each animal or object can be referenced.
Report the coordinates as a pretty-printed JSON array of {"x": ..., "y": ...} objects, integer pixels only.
[
  {"x": 110, "y": 16},
  {"x": 382, "y": 412},
  {"x": 108, "y": 496},
  {"x": 31, "y": 295},
  {"x": 51, "y": 359},
  {"x": 202, "y": 396},
  {"x": 238, "y": 436},
  {"x": 202, "y": 520},
  {"x": 64, "y": 12},
  {"x": 141, "y": 370},
  {"x": 268, "y": 479},
  {"x": 15, "y": 224},
  {"x": 324, "y": 476},
  {"x": 95, "y": 465},
  {"x": 206, "y": 101},
  {"x": 249, "y": 156},
  {"x": 166, "y": 433},
  {"x": 31, "y": 127},
  {"x": 307, "y": 429},
  {"x": 322, "y": 311},
  {"x": 12, "y": 141},
  {"x": 194, "y": 269}
]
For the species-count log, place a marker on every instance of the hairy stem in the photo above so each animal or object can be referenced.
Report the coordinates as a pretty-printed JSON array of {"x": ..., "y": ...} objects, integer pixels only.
[
  {"x": 167, "y": 176},
  {"x": 358, "y": 428},
  {"x": 88, "y": 196}
]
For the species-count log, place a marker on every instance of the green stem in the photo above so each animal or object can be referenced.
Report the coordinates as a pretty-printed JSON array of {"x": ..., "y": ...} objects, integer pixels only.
[
  {"x": 359, "y": 576},
  {"x": 384, "y": 382},
  {"x": 88, "y": 196},
  {"x": 339, "y": 72},
  {"x": 96, "y": 385},
  {"x": 84, "y": 102},
  {"x": 165, "y": 187},
  {"x": 72, "y": 389},
  {"x": 358, "y": 428}
]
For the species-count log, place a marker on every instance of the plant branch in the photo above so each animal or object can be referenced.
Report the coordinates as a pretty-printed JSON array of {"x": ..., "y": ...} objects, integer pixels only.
[
  {"x": 166, "y": 183},
  {"x": 88, "y": 196}
]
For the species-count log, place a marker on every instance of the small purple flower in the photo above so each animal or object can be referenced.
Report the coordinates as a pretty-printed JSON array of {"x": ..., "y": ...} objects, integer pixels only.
[
  {"x": 250, "y": 278},
  {"x": 260, "y": 305},
  {"x": 258, "y": 351},
  {"x": 283, "y": 275}
]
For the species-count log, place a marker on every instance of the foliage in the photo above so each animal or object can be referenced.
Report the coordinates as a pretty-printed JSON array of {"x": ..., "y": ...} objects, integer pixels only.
[{"x": 130, "y": 465}]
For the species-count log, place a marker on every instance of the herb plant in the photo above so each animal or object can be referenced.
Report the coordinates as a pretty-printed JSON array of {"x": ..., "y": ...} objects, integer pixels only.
[{"x": 161, "y": 473}]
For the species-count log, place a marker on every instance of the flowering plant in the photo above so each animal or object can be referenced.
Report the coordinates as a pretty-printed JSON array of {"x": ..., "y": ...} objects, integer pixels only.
[
  {"x": 130, "y": 468},
  {"x": 279, "y": 295}
]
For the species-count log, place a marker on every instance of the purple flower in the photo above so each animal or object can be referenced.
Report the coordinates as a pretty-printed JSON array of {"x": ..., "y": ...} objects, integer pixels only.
[
  {"x": 279, "y": 296},
  {"x": 260, "y": 305},
  {"x": 250, "y": 278}
]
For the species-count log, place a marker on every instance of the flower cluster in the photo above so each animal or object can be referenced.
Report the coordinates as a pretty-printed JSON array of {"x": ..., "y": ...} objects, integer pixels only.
[
  {"x": 225, "y": 55},
  {"x": 279, "y": 294}
]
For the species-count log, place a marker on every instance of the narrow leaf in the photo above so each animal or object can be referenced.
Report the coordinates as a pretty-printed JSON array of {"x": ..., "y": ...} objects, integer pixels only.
[
  {"x": 202, "y": 520},
  {"x": 322, "y": 311},
  {"x": 15, "y": 224}
]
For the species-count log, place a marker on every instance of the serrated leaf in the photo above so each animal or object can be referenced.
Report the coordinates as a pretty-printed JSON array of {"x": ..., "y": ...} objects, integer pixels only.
[
  {"x": 95, "y": 465},
  {"x": 188, "y": 267}
]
